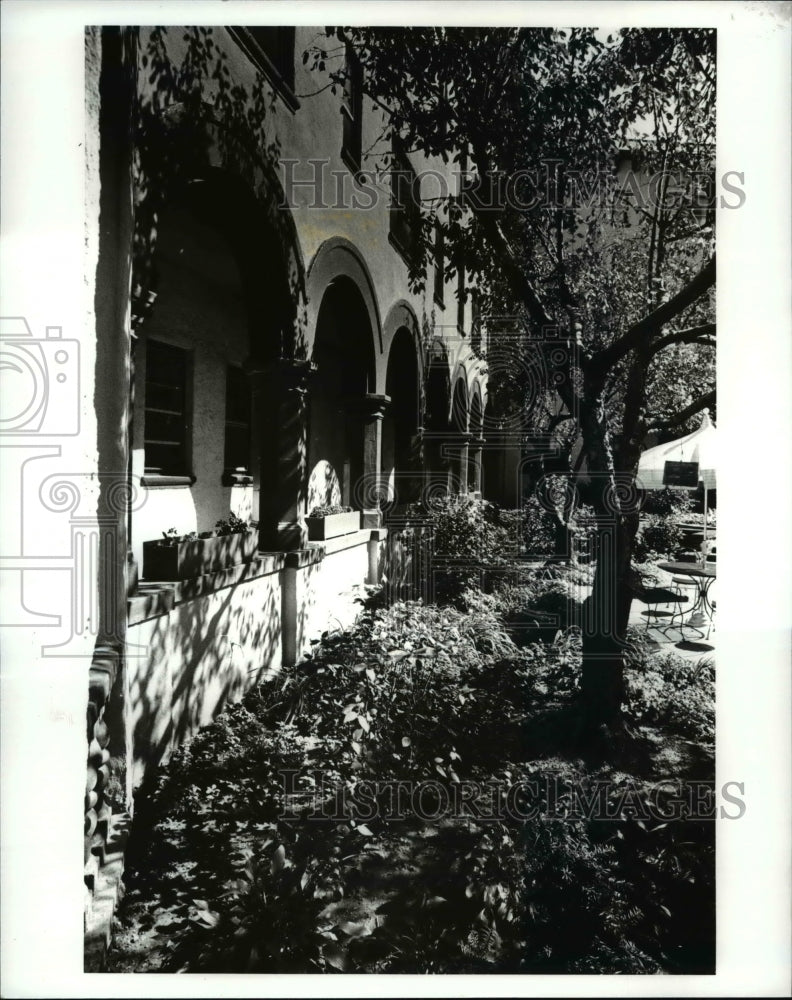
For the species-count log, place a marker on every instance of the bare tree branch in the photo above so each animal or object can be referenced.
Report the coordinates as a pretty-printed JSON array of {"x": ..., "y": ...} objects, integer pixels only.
[
  {"x": 693, "y": 335},
  {"x": 708, "y": 399},
  {"x": 653, "y": 323}
]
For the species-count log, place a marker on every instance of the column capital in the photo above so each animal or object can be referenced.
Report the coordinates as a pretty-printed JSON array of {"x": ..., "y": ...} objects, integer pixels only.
[{"x": 369, "y": 406}]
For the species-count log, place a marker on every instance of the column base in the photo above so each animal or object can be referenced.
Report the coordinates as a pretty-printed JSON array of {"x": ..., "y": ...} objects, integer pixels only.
[{"x": 371, "y": 518}]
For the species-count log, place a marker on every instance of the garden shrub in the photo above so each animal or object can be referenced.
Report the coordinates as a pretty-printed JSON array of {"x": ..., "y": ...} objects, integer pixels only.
[
  {"x": 660, "y": 536},
  {"x": 538, "y": 528},
  {"x": 469, "y": 539},
  {"x": 545, "y": 601},
  {"x": 669, "y": 502},
  {"x": 667, "y": 690}
]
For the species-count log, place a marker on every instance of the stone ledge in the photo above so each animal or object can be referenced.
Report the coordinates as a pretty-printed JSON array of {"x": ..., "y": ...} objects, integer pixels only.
[
  {"x": 315, "y": 552},
  {"x": 153, "y": 600},
  {"x": 342, "y": 542}
]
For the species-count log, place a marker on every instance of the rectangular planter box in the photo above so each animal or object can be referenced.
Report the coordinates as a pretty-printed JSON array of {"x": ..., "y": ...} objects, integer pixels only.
[
  {"x": 186, "y": 560},
  {"x": 332, "y": 525}
]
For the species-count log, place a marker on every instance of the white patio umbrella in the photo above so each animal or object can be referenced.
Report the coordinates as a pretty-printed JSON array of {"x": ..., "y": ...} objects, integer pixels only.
[{"x": 699, "y": 447}]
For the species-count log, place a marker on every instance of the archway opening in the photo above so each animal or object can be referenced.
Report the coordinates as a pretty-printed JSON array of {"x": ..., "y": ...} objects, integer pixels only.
[
  {"x": 436, "y": 426},
  {"x": 475, "y": 452},
  {"x": 344, "y": 357},
  {"x": 401, "y": 444},
  {"x": 460, "y": 418}
]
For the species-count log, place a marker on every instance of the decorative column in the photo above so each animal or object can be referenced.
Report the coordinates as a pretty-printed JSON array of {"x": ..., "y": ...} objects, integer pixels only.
[
  {"x": 462, "y": 440},
  {"x": 367, "y": 412},
  {"x": 422, "y": 477},
  {"x": 476, "y": 448},
  {"x": 280, "y": 426}
]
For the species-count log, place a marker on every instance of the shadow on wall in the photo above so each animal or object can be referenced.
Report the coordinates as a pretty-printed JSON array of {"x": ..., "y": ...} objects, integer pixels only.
[{"x": 202, "y": 656}]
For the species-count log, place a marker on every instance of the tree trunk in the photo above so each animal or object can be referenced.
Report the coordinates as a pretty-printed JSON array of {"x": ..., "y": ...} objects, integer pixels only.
[
  {"x": 606, "y": 612},
  {"x": 605, "y": 627}
]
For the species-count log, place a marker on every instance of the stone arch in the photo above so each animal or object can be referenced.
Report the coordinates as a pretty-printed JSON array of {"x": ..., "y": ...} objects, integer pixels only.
[
  {"x": 341, "y": 391},
  {"x": 250, "y": 199},
  {"x": 401, "y": 315},
  {"x": 219, "y": 301},
  {"x": 493, "y": 471},
  {"x": 476, "y": 407},
  {"x": 338, "y": 258},
  {"x": 460, "y": 435},
  {"x": 402, "y": 459},
  {"x": 437, "y": 409},
  {"x": 460, "y": 401},
  {"x": 475, "y": 447}
]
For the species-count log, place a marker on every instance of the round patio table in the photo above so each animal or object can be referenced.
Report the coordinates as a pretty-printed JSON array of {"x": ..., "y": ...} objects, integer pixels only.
[{"x": 702, "y": 577}]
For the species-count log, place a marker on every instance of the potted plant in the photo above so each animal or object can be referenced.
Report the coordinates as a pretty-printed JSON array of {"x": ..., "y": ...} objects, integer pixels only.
[
  {"x": 331, "y": 521},
  {"x": 182, "y": 557}
]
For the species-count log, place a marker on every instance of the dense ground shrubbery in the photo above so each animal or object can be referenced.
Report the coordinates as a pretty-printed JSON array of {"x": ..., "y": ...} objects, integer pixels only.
[
  {"x": 239, "y": 867},
  {"x": 477, "y": 543},
  {"x": 669, "y": 502},
  {"x": 660, "y": 535}
]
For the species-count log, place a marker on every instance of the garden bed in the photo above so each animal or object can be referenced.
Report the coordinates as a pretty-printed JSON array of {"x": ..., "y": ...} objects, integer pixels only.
[{"x": 236, "y": 868}]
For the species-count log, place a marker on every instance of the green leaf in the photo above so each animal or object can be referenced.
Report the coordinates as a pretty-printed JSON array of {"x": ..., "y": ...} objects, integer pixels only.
[
  {"x": 278, "y": 860},
  {"x": 209, "y": 918},
  {"x": 355, "y": 930},
  {"x": 336, "y": 956}
]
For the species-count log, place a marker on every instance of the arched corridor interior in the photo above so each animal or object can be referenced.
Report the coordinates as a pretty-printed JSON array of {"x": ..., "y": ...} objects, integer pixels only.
[
  {"x": 401, "y": 442},
  {"x": 344, "y": 359}
]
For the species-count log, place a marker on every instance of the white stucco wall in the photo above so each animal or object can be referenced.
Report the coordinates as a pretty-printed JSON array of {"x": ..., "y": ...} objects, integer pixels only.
[{"x": 184, "y": 667}]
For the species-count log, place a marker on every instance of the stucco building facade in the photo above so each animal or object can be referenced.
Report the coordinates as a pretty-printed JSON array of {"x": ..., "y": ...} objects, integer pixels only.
[{"x": 259, "y": 353}]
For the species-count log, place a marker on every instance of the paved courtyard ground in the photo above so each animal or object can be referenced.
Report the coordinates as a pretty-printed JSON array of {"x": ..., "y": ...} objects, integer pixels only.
[{"x": 690, "y": 642}]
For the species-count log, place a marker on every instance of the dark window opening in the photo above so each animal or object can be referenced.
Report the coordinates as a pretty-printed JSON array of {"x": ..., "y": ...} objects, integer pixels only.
[
  {"x": 405, "y": 212},
  {"x": 237, "y": 427},
  {"x": 271, "y": 48},
  {"x": 439, "y": 273},
  {"x": 352, "y": 112},
  {"x": 475, "y": 321},
  {"x": 166, "y": 431},
  {"x": 461, "y": 294}
]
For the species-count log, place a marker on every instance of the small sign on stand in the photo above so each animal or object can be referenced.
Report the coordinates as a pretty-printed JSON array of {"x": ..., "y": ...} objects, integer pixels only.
[{"x": 682, "y": 475}]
